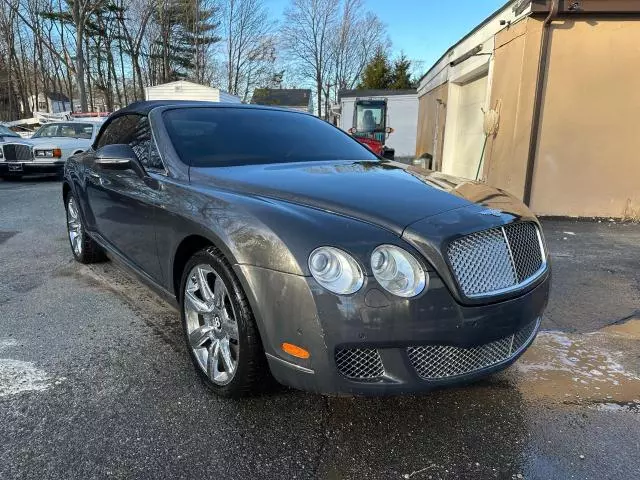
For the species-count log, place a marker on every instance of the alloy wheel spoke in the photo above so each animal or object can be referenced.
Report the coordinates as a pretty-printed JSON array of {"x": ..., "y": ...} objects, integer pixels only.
[
  {"x": 203, "y": 284},
  {"x": 195, "y": 303},
  {"x": 72, "y": 209},
  {"x": 212, "y": 360},
  {"x": 225, "y": 354},
  {"x": 219, "y": 291},
  {"x": 229, "y": 324},
  {"x": 76, "y": 244},
  {"x": 199, "y": 336}
]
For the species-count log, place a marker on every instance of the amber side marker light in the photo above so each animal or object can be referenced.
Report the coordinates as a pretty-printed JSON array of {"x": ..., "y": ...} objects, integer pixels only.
[
  {"x": 295, "y": 350},
  {"x": 57, "y": 153}
]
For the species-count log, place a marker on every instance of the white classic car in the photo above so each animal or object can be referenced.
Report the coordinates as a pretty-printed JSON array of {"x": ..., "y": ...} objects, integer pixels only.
[{"x": 46, "y": 150}]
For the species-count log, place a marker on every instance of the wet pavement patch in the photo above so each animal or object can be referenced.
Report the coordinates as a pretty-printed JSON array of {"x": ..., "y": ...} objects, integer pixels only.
[
  {"x": 17, "y": 376},
  {"x": 598, "y": 368}
]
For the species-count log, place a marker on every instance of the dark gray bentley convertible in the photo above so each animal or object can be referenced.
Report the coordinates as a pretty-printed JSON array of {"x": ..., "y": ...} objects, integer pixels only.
[{"x": 294, "y": 251}]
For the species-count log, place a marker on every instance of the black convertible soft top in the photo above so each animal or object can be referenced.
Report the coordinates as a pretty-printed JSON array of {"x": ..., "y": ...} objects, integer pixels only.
[{"x": 145, "y": 107}]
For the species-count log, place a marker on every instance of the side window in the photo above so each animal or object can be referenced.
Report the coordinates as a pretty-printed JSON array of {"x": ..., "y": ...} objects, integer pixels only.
[
  {"x": 135, "y": 131},
  {"x": 145, "y": 148},
  {"x": 118, "y": 130}
]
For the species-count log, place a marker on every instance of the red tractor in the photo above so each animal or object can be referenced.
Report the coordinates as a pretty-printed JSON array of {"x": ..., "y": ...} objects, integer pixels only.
[{"x": 370, "y": 125}]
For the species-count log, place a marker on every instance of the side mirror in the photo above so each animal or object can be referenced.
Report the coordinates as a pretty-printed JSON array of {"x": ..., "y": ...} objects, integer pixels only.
[{"x": 118, "y": 157}]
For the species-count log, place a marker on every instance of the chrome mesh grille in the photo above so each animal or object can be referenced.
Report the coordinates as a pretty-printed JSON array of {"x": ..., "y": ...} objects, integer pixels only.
[
  {"x": 16, "y": 152},
  {"x": 525, "y": 248},
  {"x": 433, "y": 362},
  {"x": 359, "y": 363},
  {"x": 497, "y": 259}
]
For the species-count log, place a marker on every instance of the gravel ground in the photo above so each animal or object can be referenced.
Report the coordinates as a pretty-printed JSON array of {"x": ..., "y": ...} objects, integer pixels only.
[{"x": 95, "y": 381}]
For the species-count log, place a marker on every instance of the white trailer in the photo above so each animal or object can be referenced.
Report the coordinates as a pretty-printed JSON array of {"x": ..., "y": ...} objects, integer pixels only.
[
  {"x": 402, "y": 116},
  {"x": 183, "y": 90}
]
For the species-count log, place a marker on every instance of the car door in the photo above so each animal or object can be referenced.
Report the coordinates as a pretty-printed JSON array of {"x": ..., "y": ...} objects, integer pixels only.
[{"x": 123, "y": 202}]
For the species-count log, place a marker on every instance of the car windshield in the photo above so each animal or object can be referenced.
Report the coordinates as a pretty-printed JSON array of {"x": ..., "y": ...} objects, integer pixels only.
[
  {"x": 69, "y": 130},
  {"x": 222, "y": 137},
  {"x": 370, "y": 117},
  {"x": 5, "y": 132}
]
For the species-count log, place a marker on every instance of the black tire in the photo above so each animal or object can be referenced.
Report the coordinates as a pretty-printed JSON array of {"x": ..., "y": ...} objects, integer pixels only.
[
  {"x": 89, "y": 251},
  {"x": 252, "y": 374}
]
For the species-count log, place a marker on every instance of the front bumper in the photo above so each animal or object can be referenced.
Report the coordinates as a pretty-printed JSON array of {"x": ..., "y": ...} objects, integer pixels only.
[
  {"x": 26, "y": 168},
  {"x": 405, "y": 335}
]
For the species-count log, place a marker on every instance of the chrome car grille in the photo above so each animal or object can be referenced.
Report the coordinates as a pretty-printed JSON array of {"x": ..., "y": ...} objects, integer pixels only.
[
  {"x": 359, "y": 363},
  {"x": 15, "y": 152},
  {"x": 497, "y": 260},
  {"x": 433, "y": 362}
]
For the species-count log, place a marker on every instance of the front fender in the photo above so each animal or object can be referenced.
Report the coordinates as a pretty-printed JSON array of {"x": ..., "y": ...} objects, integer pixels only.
[{"x": 260, "y": 232}]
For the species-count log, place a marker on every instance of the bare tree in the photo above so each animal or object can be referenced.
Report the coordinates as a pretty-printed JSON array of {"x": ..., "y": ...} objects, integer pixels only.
[
  {"x": 359, "y": 35},
  {"x": 134, "y": 18},
  {"x": 81, "y": 11},
  {"x": 306, "y": 32},
  {"x": 107, "y": 51},
  {"x": 249, "y": 45}
]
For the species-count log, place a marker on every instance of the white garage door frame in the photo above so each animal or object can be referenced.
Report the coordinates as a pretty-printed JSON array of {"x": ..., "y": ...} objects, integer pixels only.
[{"x": 456, "y": 159}]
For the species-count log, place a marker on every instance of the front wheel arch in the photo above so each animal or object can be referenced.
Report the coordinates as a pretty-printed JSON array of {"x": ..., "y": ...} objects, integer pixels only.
[
  {"x": 188, "y": 247},
  {"x": 66, "y": 190}
]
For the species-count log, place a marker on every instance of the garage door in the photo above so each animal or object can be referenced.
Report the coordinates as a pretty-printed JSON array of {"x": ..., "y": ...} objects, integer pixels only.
[{"x": 469, "y": 136}]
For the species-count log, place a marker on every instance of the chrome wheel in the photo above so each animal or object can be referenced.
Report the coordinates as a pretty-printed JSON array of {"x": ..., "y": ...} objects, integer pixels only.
[
  {"x": 74, "y": 226},
  {"x": 211, "y": 324}
]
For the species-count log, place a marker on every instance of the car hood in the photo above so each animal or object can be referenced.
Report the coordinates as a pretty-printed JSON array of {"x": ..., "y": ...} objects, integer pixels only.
[
  {"x": 8, "y": 139},
  {"x": 385, "y": 193},
  {"x": 60, "y": 142}
]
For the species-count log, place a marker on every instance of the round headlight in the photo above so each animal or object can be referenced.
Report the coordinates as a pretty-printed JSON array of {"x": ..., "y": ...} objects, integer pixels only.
[
  {"x": 398, "y": 271},
  {"x": 336, "y": 270}
]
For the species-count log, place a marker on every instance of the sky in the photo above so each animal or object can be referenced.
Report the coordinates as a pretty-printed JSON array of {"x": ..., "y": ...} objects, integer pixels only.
[{"x": 422, "y": 29}]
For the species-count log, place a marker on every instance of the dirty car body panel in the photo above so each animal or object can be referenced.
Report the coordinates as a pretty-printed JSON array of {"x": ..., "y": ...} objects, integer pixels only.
[{"x": 267, "y": 217}]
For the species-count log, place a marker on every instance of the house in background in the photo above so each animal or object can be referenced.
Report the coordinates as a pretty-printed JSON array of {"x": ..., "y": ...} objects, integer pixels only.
[
  {"x": 183, "y": 90},
  {"x": 97, "y": 103},
  {"x": 292, "y": 98},
  {"x": 563, "y": 77},
  {"x": 52, "y": 102}
]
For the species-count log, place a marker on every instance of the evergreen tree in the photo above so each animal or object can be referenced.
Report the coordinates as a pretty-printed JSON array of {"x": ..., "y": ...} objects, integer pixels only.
[
  {"x": 400, "y": 77},
  {"x": 377, "y": 74},
  {"x": 380, "y": 74},
  {"x": 187, "y": 30}
]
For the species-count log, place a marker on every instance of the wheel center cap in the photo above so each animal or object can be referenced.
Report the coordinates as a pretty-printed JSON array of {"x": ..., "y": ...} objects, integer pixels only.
[{"x": 217, "y": 324}]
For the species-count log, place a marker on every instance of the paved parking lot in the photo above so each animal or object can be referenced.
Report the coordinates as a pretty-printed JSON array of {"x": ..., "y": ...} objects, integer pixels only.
[{"x": 95, "y": 381}]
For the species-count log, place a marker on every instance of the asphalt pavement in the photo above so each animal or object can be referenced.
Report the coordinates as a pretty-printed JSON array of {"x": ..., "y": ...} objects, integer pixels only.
[{"x": 95, "y": 381}]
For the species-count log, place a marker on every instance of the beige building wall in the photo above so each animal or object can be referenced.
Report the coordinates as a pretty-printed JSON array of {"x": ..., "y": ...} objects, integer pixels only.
[
  {"x": 515, "y": 71},
  {"x": 588, "y": 160},
  {"x": 430, "y": 110},
  {"x": 587, "y": 147}
]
